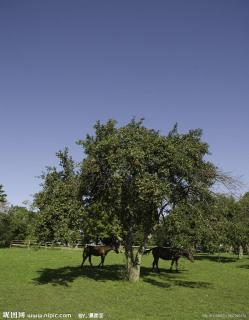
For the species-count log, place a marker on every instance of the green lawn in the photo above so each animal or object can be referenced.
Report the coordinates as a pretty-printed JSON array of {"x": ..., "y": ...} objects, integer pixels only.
[{"x": 50, "y": 281}]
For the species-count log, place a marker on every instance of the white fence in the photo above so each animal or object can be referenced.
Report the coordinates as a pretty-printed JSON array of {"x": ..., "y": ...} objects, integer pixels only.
[
  {"x": 34, "y": 244},
  {"x": 54, "y": 245}
]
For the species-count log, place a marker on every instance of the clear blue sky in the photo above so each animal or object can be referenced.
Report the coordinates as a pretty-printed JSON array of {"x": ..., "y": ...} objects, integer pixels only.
[{"x": 65, "y": 64}]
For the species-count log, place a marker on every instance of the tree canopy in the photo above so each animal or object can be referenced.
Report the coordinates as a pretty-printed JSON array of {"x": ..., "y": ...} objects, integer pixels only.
[
  {"x": 135, "y": 183},
  {"x": 59, "y": 208},
  {"x": 3, "y": 196},
  {"x": 136, "y": 176},
  {"x": 17, "y": 223}
]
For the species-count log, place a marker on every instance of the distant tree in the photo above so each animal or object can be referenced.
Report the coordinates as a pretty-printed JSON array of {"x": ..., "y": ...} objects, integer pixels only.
[
  {"x": 135, "y": 176},
  {"x": 3, "y": 200},
  {"x": 219, "y": 223},
  {"x": 3, "y": 196},
  {"x": 16, "y": 224},
  {"x": 228, "y": 225},
  {"x": 183, "y": 227},
  {"x": 239, "y": 225},
  {"x": 60, "y": 212}
]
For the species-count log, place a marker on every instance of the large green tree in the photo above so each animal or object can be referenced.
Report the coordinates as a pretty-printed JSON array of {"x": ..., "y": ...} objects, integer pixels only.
[
  {"x": 59, "y": 208},
  {"x": 135, "y": 176}
]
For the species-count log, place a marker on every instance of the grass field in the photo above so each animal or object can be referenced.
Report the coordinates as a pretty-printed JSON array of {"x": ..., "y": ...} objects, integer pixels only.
[{"x": 50, "y": 281}]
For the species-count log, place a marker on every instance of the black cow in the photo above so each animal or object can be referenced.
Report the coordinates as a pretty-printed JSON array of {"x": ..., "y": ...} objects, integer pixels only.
[{"x": 167, "y": 253}]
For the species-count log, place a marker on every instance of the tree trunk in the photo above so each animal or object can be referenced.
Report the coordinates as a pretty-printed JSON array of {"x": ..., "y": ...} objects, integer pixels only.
[
  {"x": 247, "y": 249},
  {"x": 133, "y": 259},
  {"x": 133, "y": 267},
  {"x": 240, "y": 252},
  {"x": 133, "y": 273}
]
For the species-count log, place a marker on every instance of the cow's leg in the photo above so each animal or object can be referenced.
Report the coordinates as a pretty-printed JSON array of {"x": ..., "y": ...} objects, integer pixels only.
[
  {"x": 84, "y": 259},
  {"x": 90, "y": 260},
  {"x": 102, "y": 261},
  {"x": 172, "y": 263},
  {"x": 177, "y": 265},
  {"x": 155, "y": 263}
]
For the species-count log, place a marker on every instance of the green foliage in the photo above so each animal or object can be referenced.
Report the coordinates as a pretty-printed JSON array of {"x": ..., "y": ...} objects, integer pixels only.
[
  {"x": 136, "y": 176},
  {"x": 2, "y": 194},
  {"x": 181, "y": 228},
  {"x": 229, "y": 223},
  {"x": 217, "y": 224},
  {"x": 3, "y": 199},
  {"x": 238, "y": 217},
  {"x": 16, "y": 224},
  {"x": 60, "y": 215}
]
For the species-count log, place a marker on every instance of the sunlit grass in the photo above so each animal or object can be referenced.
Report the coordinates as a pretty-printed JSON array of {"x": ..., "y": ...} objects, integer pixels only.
[{"x": 50, "y": 281}]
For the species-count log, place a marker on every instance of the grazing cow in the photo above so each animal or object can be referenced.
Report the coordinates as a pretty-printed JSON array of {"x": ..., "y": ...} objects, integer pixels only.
[
  {"x": 99, "y": 251},
  {"x": 167, "y": 253}
]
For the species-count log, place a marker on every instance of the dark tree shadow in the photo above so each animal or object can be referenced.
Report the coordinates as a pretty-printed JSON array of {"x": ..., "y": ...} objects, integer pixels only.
[
  {"x": 145, "y": 271},
  {"x": 181, "y": 283},
  {"x": 245, "y": 266},
  {"x": 66, "y": 275},
  {"x": 193, "y": 284},
  {"x": 157, "y": 283},
  {"x": 167, "y": 279},
  {"x": 220, "y": 259}
]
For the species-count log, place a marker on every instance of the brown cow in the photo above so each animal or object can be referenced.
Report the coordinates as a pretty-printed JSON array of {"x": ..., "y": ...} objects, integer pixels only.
[{"x": 99, "y": 251}]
